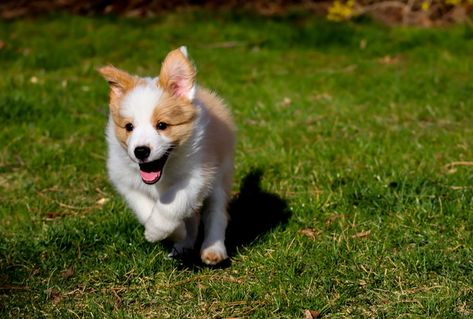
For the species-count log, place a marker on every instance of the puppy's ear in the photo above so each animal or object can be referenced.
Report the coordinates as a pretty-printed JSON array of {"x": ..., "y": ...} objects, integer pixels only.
[
  {"x": 177, "y": 75},
  {"x": 120, "y": 81}
]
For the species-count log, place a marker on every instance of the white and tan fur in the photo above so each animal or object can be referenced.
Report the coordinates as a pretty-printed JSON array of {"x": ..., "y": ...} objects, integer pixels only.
[{"x": 197, "y": 176}]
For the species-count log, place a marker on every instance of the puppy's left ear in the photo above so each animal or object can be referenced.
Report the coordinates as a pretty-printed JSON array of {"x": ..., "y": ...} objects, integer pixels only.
[{"x": 177, "y": 75}]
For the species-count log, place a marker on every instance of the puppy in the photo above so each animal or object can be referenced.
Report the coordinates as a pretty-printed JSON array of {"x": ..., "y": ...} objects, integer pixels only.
[{"x": 170, "y": 154}]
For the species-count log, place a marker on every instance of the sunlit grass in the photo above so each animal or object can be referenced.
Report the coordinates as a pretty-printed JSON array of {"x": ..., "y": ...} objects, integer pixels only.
[{"x": 353, "y": 127}]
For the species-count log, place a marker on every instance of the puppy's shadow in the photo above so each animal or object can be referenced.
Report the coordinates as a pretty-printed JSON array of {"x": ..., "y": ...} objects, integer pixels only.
[{"x": 253, "y": 213}]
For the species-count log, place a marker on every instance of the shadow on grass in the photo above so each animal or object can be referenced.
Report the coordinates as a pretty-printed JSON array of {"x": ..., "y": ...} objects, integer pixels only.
[{"x": 253, "y": 213}]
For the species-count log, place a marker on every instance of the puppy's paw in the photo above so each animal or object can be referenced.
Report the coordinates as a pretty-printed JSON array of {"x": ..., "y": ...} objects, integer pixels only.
[
  {"x": 152, "y": 234},
  {"x": 214, "y": 254},
  {"x": 181, "y": 252}
]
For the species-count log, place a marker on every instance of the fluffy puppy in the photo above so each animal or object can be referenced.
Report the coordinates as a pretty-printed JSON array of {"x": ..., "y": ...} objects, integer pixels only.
[{"x": 170, "y": 154}]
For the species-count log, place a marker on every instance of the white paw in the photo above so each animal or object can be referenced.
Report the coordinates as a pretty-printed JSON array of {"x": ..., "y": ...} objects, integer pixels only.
[
  {"x": 153, "y": 234},
  {"x": 214, "y": 254}
]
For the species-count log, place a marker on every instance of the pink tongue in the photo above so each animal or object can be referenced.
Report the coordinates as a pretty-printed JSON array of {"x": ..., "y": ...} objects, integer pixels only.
[{"x": 150, "y": 176}]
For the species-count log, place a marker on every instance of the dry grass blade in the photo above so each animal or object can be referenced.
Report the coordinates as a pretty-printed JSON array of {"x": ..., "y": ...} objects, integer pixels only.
[
  {"x": 362, "y": 234},
  {"x": 16, "y": 288},
  {"x": 460, "y": 163}
]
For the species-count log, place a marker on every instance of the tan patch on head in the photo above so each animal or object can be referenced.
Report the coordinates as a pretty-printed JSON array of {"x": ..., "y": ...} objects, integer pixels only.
[
  {"x": 120, "y": 131},
  {"x": 179, "y": 115}
]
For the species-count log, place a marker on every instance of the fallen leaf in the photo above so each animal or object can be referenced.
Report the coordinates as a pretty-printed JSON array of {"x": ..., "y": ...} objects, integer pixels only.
[
  {"x": 362, "y": 234},
  {"x": 311, "y": 314},
  {"x": 308, "y": 232},
  {"x": 54, "y": 295},
  {"x": 57, "y": 298},
  {"x": 68, "y": 273},
  {"x": 2, "y": 44}
]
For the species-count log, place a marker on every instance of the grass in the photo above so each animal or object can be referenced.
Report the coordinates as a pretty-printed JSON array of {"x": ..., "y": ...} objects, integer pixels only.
[{"x": 351, "y": 126}]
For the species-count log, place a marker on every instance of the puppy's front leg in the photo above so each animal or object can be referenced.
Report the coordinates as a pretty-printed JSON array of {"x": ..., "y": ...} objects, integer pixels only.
[
  {"x": 168, "y": 215},
  {"x": 162, "y": 225}
]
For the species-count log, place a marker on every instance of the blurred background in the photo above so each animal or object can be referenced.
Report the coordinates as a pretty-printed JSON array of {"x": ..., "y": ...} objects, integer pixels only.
[{"x": 406, "y": 12}]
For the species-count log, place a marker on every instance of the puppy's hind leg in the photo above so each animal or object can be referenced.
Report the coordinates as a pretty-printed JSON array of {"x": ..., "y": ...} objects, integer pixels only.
[{"x": 215, "y": 219}]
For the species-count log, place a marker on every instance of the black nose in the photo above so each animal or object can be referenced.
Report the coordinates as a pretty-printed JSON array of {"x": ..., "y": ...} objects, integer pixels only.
[{"x": 142, "y": 152}]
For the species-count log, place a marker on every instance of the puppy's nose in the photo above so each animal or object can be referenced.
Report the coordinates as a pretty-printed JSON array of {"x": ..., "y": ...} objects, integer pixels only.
[{"x": 142, "y": 152}]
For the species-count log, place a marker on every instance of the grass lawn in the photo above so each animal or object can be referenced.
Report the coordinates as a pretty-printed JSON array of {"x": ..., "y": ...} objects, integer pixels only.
[{"x": 346, "y": 198}]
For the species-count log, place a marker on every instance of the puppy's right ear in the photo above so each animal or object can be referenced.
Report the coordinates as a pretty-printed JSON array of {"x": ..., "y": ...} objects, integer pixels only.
[{"x": 120, "y": 81}]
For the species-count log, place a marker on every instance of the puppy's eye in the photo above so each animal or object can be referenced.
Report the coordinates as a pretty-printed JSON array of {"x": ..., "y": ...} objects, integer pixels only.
[
  {"x": 161, "y": 126},
  {"x": 129, "y": 127}
]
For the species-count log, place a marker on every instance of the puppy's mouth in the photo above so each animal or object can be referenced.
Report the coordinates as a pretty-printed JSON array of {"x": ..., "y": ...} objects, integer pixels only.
[{"x": 151, "y": 172}]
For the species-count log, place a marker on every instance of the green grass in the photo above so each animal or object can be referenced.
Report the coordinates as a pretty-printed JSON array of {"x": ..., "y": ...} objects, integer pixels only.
[{"x": 352, "y": 126}]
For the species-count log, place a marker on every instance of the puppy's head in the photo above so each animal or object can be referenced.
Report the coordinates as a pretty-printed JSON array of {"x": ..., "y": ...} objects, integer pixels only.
[{"x": 153, "y": 116}]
